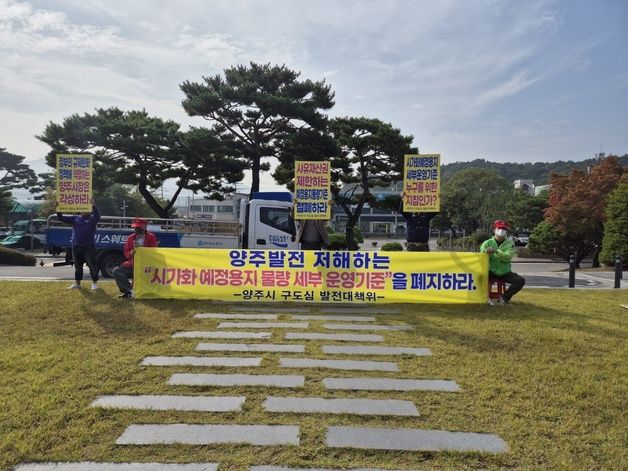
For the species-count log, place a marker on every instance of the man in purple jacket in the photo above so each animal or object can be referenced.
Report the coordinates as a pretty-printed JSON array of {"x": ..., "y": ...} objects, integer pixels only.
[{"x": 83, "y": 244}]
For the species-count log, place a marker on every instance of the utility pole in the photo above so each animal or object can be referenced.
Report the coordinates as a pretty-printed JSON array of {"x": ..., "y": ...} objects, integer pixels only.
[
  {"x": 123, "y": 208},
  {"x": 32, "y": 228}
]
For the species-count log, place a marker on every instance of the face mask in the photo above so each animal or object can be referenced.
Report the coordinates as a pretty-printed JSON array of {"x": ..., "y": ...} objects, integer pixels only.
[{"x": 501, "y": 232}]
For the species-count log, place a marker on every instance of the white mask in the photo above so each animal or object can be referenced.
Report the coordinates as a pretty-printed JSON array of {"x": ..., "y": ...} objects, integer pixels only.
[{"x": 501, "y": 232}]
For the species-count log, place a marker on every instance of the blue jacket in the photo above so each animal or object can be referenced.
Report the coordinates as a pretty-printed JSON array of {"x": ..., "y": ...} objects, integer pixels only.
[{"x": 83, "y": 228}]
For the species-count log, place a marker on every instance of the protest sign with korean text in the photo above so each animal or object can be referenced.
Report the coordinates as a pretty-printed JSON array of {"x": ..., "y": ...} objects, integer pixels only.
[
  {"x": 421, "y": 183},
  {"x": 311, "y": 276},
  {"x": 74, "y": 183},
  {"x": 312, "y": 185}
]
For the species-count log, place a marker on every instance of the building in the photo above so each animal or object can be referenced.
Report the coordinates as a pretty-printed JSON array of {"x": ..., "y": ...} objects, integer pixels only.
[
  {"x": 197, "y": 207},
  {"x": 372, "y": 221},
  {"x": 525, "y": 185}
]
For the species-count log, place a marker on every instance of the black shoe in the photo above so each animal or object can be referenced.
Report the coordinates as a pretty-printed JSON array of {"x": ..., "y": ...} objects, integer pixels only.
[
  {"x": 125, "y": 295},
  {"x": 503, "y": 301}
]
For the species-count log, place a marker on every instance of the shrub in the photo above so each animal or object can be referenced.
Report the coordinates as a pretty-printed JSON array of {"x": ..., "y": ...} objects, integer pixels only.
[
  {"x": 337, "y": 241},
  {"x": 417, "y": 246},
  {"x": 615, "y": 240},
  {"x": 14, "y": 257},
  {"x": 392, "y": 247},
  {"x": 476, "y": 239}
]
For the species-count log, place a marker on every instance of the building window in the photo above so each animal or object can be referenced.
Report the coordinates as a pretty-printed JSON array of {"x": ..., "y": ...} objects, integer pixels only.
[
  {"x": 208, "y": 209},
  {"x": 225, "y": 209},
  {"x": 196, "y": 208}
]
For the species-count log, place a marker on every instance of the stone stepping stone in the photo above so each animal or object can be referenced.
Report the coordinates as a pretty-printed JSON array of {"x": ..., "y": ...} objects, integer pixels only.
[
  {"x": 263, "y": 325},
  {"x": 359, "y": 310},
  {"x": 195, "y": 403},
  {"x": 283, "y": 468},
  {"x": 339, "y": 337},
  {"x": 250, "y": 347},
  {"x": 93, "y": 466},
  {"x": 261, "y": 317},
  {"x": 338, "y": 364},
  {"x": 412, "y": 439},
  {"x": 375, "y": 350},
  {"x": 390, "y": 384},
  {"x": 278, "y": 381},
  {"x": 222, "y": 335},
  {"x": 366, "y": 327},
  {"x": 209, "y": 434},
  {"x": 200, "y": 361},
  {"x": 269, "y": 309},
  {"x": 317, "y": 405},
  {"x": 333, "y": 318}
]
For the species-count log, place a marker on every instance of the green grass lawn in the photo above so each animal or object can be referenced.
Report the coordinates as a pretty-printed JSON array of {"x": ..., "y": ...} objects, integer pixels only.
[{"x": 547, "y": 374}]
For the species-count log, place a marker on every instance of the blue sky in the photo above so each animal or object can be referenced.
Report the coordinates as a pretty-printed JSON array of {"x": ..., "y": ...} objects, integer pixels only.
[{"x": 501, "y": 80}]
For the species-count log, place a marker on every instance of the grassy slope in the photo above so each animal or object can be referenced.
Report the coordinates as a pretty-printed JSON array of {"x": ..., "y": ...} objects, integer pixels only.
[{"x": 547, "y": 374}]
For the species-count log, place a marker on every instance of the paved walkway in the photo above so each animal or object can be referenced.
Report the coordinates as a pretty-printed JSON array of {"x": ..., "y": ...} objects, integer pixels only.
[{"x": 276, "y": 324}]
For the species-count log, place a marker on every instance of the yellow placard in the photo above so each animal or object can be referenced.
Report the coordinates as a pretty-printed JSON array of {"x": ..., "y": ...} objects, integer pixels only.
[
  {"x": 421, "y": 183},
  {"x": 311, "y": 276},
  {"x": 74, "y": 183},
  {"x": 312, "y": 185}
]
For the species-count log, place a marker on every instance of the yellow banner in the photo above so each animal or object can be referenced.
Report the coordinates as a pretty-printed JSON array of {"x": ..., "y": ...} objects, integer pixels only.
[
  {"x": 421, "y": 183},
  {"x": 312, "y": 185},
  {"x": 74, "y": 183},
  {"x": 311, "y": 276}
]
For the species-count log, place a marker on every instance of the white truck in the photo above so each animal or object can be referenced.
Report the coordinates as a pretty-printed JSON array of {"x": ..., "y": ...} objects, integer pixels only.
[{"x": 265, "y": 222}]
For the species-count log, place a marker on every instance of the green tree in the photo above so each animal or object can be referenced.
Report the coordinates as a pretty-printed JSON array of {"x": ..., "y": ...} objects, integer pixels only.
[
  {"x": 111, "y": 200},
  {"x": 6, "y": 203},
  {"x": 615, "y": 241},
  {"x": 14, "y": 173},
  {"x": 524, "y": 211},
  {"x": 132, "y": 148},
  {"x": 257, "y": 107},
  {"x": 375, "y": 151},
  {"x": 547, "y": 239},
  {"x": 473, "y": 199}
]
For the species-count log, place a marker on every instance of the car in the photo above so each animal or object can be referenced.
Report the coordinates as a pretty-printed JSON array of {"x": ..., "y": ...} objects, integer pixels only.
[
  {"x": 522, "y": 239},
  {"x": 21, "y": 242}
]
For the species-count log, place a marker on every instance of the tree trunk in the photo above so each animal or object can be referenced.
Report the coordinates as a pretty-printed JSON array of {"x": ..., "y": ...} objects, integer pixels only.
[
  {"x": 255, "y": 169},
  {"x": 154, "y": 205},
  {"x": 349, "y": 237}
]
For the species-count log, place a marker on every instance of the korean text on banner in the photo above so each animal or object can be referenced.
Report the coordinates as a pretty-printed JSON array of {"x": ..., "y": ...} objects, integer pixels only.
[
  {"x": 311, "y": 276},
  {"x": 421, "y": 183},
  {"x": 312, "y": 184},
  {"x": 74, "y": 183}
]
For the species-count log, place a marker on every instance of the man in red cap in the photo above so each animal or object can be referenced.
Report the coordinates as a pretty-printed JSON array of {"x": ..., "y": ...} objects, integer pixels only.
[
  {"x": 140, "y": 238},
  {"x": 500, "y": 251}
]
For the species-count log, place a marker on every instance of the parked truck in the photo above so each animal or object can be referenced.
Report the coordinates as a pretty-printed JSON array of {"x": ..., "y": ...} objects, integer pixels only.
[{"x": 265, "y": 222}]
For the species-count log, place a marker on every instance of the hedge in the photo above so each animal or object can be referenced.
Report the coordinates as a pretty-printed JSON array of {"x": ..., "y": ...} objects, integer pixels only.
[
  {"x": 14, "y": 257},
  {"x": 392, "y": 247}
]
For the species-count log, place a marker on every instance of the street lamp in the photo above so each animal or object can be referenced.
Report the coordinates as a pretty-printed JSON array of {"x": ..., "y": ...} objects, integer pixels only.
[{"x": 123, "y": 208}]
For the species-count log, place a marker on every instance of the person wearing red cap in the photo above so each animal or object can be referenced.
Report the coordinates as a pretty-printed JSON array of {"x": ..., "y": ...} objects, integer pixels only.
[
  {"x": 140, "y": 238},
  {"x": 500, "y": 251}
]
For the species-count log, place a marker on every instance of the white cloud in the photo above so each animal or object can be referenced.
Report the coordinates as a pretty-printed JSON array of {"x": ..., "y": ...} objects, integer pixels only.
[{"x": 447, "y": 71}]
